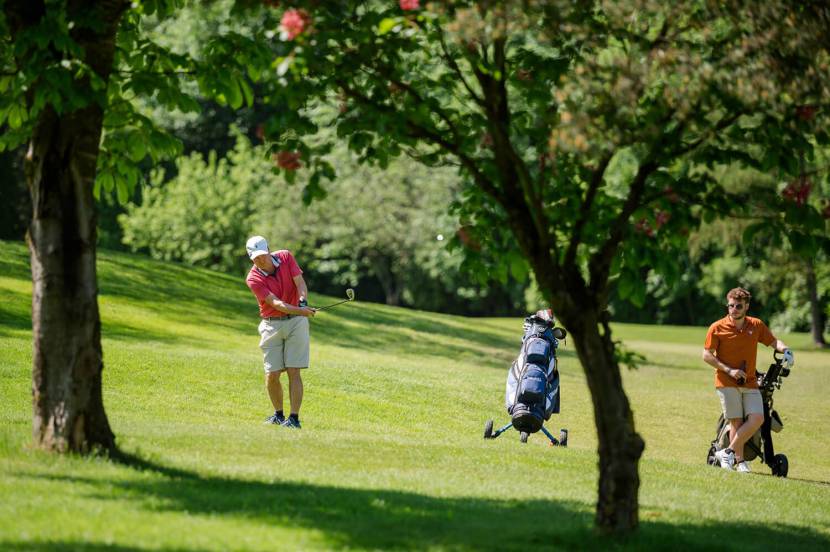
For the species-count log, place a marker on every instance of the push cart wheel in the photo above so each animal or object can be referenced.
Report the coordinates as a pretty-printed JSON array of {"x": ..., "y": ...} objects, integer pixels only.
[
  {"x": 488, "y": 429},
  {"x": 523, "y": 437},
  {"x": 710, "y": 457},
  {"x": 780, "y": 466},
  {"x": 563, "y": 437}
]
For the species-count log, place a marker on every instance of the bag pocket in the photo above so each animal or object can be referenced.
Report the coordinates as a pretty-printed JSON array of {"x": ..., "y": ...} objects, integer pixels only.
[
  {"x": 532, "y": 386},
  {"x": 537, "y": 351}
]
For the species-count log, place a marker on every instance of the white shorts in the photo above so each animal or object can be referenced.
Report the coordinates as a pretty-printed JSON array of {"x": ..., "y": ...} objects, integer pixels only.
[
  {"x": 740, "y": 402},
  {"x": 284, "y": 343}
]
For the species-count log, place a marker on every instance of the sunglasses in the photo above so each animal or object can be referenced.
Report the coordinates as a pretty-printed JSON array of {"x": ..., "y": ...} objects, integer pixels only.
[{"x": 736, "y": 306}]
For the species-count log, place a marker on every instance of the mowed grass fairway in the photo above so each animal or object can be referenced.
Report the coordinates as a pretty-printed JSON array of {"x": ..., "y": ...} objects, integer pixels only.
[{"x": 391, "y": 454}]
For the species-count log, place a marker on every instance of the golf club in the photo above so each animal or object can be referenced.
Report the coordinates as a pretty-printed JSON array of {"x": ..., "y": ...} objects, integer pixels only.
[{"x": 349, "y": 297}]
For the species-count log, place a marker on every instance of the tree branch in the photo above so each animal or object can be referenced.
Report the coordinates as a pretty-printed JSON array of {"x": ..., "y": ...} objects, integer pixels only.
[
  {"x": 457, "y": 69},
  {"x": 722, "y": 124},
  {"x": 434, "y": 136},
  {"x": 585, "y": 208},
  {"x": 524, "y": 198},
  {"x": 600, "y": 263}
]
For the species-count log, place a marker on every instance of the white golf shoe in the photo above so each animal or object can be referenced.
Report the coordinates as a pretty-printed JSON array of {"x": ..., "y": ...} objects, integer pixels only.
[
  {"x": 743, "y": 467},
  {"x": 726, "y": 457}
]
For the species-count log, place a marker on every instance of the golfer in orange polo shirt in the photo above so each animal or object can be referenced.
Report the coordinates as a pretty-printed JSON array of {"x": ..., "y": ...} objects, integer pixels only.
[{"x": 731, "y": 348}]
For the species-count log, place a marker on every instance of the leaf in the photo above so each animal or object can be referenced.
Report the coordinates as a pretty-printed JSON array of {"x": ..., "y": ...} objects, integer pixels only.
[
  {"x": 105, "y": 181},
  {"x": 638, "y": 294},
  {"x": 805, "y": 246},
  {"x": 247, "y": 92},
  {"x": 625, "y": 285},
  {"x": 387, "y": 25},
  {"x": 234, "y": 93},
  {"x": 752, "y": 230},
  {"x": 518, "y": 266},
  {"x": 96, "y": 189},
  {"x": 121, "y": 189},
  {"x": 15, "y": 117},
  {"x": 136, "y": 147}
]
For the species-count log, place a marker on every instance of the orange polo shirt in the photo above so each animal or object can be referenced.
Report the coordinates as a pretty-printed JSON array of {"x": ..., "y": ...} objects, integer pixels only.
[{"x": 733, "y": 346}]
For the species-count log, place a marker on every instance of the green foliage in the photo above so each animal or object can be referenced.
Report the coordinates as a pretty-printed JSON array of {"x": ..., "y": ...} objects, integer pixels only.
[
  {"x": 585, "y": 88},
  {"x": 389, "y": 226},
  {"x": 202, "y": 216}
]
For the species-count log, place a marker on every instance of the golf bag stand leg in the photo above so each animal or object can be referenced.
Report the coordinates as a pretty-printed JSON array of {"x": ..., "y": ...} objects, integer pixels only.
[
  {"x": 502, "y": 430},
  {"x": 553, "y": 441}
]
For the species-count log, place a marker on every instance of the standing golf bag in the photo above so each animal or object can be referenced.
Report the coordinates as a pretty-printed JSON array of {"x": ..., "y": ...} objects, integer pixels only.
[
  {"x": 760, "y": 444},
  {"x": 532, "y": 390}
]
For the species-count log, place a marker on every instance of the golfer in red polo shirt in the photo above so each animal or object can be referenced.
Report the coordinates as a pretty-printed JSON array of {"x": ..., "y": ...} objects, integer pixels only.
[{"x": 277, "y": 282}]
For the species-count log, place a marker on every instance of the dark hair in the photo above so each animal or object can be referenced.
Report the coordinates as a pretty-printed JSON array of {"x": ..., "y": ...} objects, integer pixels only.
[{"x": 739, "y": 294}]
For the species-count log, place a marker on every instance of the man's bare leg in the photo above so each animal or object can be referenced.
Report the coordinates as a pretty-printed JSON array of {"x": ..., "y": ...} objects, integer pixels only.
[
  {"x": 742, "y": 433},
  {"x": 274, "y": 387},
  {"x": 295, "y": 390}
]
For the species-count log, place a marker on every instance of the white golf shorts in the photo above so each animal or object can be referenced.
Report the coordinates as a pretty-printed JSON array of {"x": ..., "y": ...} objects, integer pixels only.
[
  {"x": 739, "y": 402},
  {"x": 284, "y": 343}
]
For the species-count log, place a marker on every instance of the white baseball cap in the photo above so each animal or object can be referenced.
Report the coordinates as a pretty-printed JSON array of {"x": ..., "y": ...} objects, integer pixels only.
[{"x": 256, "y": 246}]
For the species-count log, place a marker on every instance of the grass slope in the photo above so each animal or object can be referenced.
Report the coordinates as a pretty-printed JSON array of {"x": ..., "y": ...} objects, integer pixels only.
[{"x": 391, "y": 454}]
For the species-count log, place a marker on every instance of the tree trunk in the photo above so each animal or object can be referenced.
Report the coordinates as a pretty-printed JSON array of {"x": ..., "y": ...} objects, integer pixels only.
[
  {"x": 391, "y": 285},
  {"x": 67, "y": 360},
  {"x": 816, "y": 316},
  {"x": 620, "y": 447}
]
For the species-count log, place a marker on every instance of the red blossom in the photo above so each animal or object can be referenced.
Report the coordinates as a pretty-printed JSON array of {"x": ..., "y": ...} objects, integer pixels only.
[
  {"x": 661, "y": 218},
  {"x": 642, "y": 226},
  {"x": 465, "y": 237},
  {"x": 670, "y": 194},
  {"x": 798, "y": 191},
  {"x": 294, "y": 22},
  {"x": 408, "y": 5},
  {"x": 806, "y": 112},
  {"x": 288, "y": 160}
]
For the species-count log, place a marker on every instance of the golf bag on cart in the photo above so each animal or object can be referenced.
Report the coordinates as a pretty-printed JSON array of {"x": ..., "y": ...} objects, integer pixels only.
[
  {"x": 532, "y": 389},
  {"x": 760, "y": 444}
]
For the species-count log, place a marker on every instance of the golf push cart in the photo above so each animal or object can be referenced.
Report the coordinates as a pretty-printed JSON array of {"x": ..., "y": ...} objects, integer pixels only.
[
  {"x": 760, "y": 444},
  {"x": 532, "y": 389}
]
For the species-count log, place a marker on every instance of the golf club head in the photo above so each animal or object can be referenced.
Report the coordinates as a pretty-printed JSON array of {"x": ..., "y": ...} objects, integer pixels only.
[{"x": 349, "y": 297}]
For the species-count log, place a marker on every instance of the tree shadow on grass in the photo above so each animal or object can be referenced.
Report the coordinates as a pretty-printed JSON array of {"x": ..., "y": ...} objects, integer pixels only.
[
  {"x": 381, "y": 519},
  {"x": 78, "y": 546}
]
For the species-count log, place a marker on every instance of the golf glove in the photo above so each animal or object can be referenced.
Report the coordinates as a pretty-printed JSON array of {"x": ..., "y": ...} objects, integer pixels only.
[{"x": 788, "y": 358}]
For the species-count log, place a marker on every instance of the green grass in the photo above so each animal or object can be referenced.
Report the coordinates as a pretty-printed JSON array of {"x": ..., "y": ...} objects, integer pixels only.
[{"x": 390, "y": 455}]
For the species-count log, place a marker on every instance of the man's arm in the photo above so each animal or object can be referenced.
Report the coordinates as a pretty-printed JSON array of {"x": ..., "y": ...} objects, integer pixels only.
[
  {"x": 781, "y": 347},
  {"x": 284, "y": 307},
  {"x": 301, "y": 287},
  {"x": 710, "y": 359}
]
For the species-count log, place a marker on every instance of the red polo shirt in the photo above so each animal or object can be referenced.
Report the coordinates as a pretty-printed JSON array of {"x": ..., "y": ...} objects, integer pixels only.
[
  {"x": 733, "y": 346},
  {"x": 280, "y": 283}
]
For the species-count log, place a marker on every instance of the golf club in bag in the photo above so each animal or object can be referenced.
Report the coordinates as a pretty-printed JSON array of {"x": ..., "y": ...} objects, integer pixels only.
[
  {"x": 349, "y": 297},
  {"x": 532, "y": 387}
]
